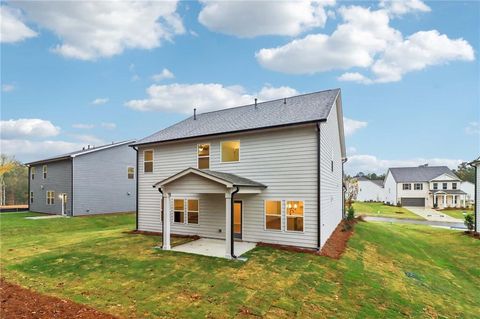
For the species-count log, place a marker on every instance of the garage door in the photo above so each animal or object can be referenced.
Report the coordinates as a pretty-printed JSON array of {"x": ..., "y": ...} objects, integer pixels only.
[{"x": 413, "y": 201}]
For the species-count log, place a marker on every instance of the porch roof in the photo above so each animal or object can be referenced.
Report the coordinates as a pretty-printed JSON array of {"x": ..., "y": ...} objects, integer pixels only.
[
  {"x": 448, "y": 191},
  {"x": 228, "y": 179}
]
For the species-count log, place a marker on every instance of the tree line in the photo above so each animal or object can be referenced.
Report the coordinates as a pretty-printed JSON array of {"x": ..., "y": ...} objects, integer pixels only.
[{"x": 13, "y": 181}]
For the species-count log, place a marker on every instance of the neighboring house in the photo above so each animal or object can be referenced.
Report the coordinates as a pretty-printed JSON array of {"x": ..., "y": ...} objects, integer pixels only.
[
  {"x": 424, "y": 186},
  {"x": 469, "y": 189},
  {"x": 370, "y": 190},
  {"x": 268, "y": 172},
  {"x": 94, "y": 180},
  {"x": 476, "y": 164}
]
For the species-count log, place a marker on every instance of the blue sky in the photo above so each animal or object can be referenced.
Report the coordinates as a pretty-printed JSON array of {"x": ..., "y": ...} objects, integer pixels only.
[{"x": 408, "y": 71}]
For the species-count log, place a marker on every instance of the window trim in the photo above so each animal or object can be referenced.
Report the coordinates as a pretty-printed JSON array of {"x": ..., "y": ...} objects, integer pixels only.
[
  {"x": 286, "y": 216},
  {"x": 415, "y": 186},
  {"x": 209, "y": 154},
  {"x": 454, "y": 185},
  {"x": 53, "y": 198},
  {"x": 133, "y": 167},
  {"x": 444, "y": 186},
  {"x": 187, "y": 211},
  {"x": 144, "y": 161},
  {"x": 435, "y": 186},
  {"x": 32, "y": 172},
  {"x": 174, "y": 210},
  {"x": 44, "y": 171},
  {"x": 409, "y": 186},
  {"x": 32, "y": 197},
  {"x": 239, "y": 151},
  {"x": 265, "y": 214}
]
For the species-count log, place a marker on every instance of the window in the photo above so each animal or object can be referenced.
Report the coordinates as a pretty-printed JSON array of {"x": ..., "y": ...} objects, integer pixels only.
[
  {"x": 192, "y": 213},
  {"x": 407, "y": 187},
  {"x": 454, "y": 186},
  {"x": 44, "y": 171},
  {"x": 435, "y": 185},
  {"x": 273, "y": 214},
  {"x": 294, "y": 215},
  {"x": 32, "y": 172},
  {"x": 203, "y": 152},
  {"x": 230, "y": 151},
  {"x": 455, "y": 199},
  {"x": 178, "y": 210},
  {"x": 148, "y": 161},
  {"x": 50, "y": 197},
  {"x": 418, "y": 186},
  {"x": 444, "y": 186},
  {"x": 31, "y": 197},
  {"x": 130, "y": 172}
]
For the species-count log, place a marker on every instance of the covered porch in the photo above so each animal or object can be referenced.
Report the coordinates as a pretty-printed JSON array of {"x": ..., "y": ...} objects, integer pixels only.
[
  {"x": 204, "y": 203},
  {"x": 448, "y": 198}
]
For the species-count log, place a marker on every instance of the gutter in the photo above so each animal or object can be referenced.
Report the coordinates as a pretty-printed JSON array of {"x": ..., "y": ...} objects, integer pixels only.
[
  {"x": 72, "y": 198},
  {"x": 232, "y": 223},
  {"x": 319, "y": 239},
  {"x": 136, "y": 189}
]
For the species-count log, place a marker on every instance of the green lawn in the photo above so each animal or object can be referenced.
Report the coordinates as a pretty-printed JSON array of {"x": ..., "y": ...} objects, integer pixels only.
[
  {"x": 382, "y": 210},
  {"x": 457, "y": 213},
  {"x": 92, "y": 261}
]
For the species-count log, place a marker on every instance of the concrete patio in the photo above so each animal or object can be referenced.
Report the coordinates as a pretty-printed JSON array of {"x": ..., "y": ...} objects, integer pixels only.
[{"x": 213, "y": 247}]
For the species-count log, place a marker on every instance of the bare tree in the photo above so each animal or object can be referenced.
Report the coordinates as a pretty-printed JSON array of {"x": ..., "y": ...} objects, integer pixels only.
[{"x": 351, "y": 191}]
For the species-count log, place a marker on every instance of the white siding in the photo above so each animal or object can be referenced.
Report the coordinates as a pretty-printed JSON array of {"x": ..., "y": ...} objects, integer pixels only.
[
  {"x": 369, "y": 191},
  {"x": 390, "y": 189},
  {"x": 468, "y": 188},
  {"x": 412, "y": 193}
]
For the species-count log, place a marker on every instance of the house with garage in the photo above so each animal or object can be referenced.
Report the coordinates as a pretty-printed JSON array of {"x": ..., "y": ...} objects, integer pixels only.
[
  {"x": 265, "y": 172},
  {"x": 424, "y": 186},
  {"x": 476, "y": 165},
  {"x": 370, "y": 190},
  {"x": 93, "y": 180}
]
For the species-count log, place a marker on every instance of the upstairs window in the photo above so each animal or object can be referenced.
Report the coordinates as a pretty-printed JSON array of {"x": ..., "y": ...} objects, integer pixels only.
[
  {"x": 32, "y": 172},
  {"x": 294, "y": 215},
  {"x": 454, "y": 185},
  {"x": 31, "y": 197},
  {"x": 178, "y": 210},
  {"x": 130, "y": 172},
  {"x": 192, "y": 213},
  {"x": 435, "y": 185},
  {"x": 50, "y": 197},
  {"x": 203, "y": 152},
  {"x": 44, "y": 171},
  {"x": 230, "y": 151},
  {"x": 418, "y": 186},
  {"x": 148, "y": 161},
  {"x": 407, "y": 187},
  {"x": 273, "y": 214},
  {"x": 444, "y": 186}
]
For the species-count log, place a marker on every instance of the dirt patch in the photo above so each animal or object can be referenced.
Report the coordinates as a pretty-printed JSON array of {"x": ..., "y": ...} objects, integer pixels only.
[
  {"x": 289, "y": 248},
  {"x": 337, "y": 243},
  {"x": 472, "y": 234},
  {"x": 153, "y": 233},
  {"x": 18, "y": 302}
]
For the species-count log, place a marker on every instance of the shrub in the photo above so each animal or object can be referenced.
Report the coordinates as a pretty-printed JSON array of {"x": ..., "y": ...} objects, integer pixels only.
[
  {"x": 350, "y": 213},
  {"x": 469, "y": 222}
]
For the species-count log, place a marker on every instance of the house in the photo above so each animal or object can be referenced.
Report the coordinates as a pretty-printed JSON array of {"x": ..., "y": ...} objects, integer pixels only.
[
  {"x": 265, "y": 172},
  {"x": 469, "y": 189},
  {"x": 94, "y": 180},
  {"x": 370, "y": 190},
  {"x": 424, "y": 186},
  {"x": 476, "y": 164}
]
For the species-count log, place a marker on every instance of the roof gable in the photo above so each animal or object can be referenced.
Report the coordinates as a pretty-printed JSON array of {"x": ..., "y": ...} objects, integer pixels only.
[{"x": 446, "y": 177}]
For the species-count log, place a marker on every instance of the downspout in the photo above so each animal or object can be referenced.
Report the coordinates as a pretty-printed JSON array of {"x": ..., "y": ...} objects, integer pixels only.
[
  {"x": 319, "y": 239},
  {"x": 162, "y": 212},
  {"x": 232, "y": 223},
  {"x": 72, "y": 198},
  {"x": 29, "y": 191},
  {"x": 136, "y": 188}
]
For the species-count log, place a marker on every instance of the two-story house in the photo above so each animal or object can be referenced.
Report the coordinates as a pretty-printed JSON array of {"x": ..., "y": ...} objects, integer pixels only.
[
  {"x": 476, "y": 165},
  {"x": 424, "y": 186},
  {"x": 93, "y": 180},
  {"x": 266, "y": 172}
]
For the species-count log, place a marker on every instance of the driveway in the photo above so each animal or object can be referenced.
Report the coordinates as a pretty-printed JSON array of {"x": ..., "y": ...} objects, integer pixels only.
[
  {"x": 432, "y": 215},
  {"x": 457, "y": 226}
]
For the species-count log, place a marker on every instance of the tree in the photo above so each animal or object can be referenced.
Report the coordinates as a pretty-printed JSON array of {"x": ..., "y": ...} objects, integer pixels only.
[
  {"x": 13, "y": 181},
  {"x": 351, "y": 191},
  {"x": 465, "y": 172}
]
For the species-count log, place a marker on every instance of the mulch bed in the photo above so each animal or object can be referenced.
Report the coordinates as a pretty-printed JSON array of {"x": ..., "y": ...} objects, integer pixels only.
[
  {"x": 472, "y": 234},
  {"x": 337, "y": 243},
  {"x": 18, "y": 302}
]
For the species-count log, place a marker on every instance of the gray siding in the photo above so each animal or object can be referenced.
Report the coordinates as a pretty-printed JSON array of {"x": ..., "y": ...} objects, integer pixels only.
[
  {"x": 100, "y": 181},
  {"x": 59, "y": 180},
  {"x": 477, "y": 190}
]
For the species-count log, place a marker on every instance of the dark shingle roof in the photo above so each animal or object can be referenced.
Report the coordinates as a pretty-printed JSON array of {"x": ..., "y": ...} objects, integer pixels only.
[
  {"x": 448, "y": 191},
  {"x": 419, "y": 174},
  {"x": 234, "y": 179},
  {"x": 297, "y": 109}
]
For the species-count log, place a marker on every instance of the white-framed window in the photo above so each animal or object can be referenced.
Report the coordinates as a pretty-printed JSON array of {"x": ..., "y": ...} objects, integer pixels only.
[
  {"x": 32, "y": 172},
  {"x": 435, "y": 185},
  {"x": 418, "y": 186},
  {"x": 203, "y": 156},
  {"x": 230, "y": 151},
  {"x": 444, "y": 185},
  {"x": 294, "y": 211},
  {"x": 454, "y": 186},
  {"x": 273, "y": 214},
  {"x": 455, "y": 200},
  {"x": 186, "y": 210},
  {"x": 130, "y": 172},
  {"x": 44, "y": 170},
  {"x": 31, "y": 197},
  {"x": 148, "y": 161},
  {"x": 50, "y": 197},
  {"x": 178, "y": 210},
  {"x": 192, "y": 211},
  {"x": 407, "y": 187}
]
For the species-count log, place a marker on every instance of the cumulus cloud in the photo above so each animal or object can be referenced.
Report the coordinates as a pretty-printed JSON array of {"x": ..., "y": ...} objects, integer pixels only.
[
  {"x": 351, "y": 126},
  {"x": 182, "y": 98},
  {"x": 109, "y": 126},
  {"x": 88, "y": 139},
  {"x": 366, "y": 40},
  {"x": 26, "y": 150},
  {"x": 83, "y": 126},
  {"x": 100, "y": 101},
  {"x": 248, "y": 19},
  {"x": 89, "y": 30},
  {"x": 372, "y": 164},
  {"x": 396, "y": 7},
  {"x": 31, "y": 128},
  {"x": 13, "y": 29},
  {"x": 165, "y": 74},
  {"x": 473, "y": 128},
  {"x": 8, "y": 87}
]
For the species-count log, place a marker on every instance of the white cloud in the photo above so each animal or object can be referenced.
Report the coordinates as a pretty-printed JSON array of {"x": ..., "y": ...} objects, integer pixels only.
[
  {"x": 13, "y": 29},
  {"x": 165, "y": 74},
  {"x": 400, "y": 7},
  {"x": 473, "y": 128},
  {"x": 248, "y": 19},
  {"x": 26, "y": 150},
  {"x": 100, "y": 101},
  {"x": 372, "y": 164},
  {"x": 8, "y": 87},
  {"x": 351, "y": 126},
  {"x": 366, "y": 40},
  {"x": 90, "y": 139},
  {"x": 89, "y": 30},
  {"x": 182, "y": 98},
  {"x": 14, "y": 129},
  {"x": 83, "y": 126},
  {"x": 109, "y": 126}
]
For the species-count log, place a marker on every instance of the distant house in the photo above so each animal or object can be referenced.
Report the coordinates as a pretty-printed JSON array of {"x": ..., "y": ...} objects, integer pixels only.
[
  {"x": 469, "y": 189},
  {"x": 424, "y": 186},
  {"x": 95, "y": 180},
  {"x": 476, "y": 164},
  {"x": 265, "y": 172},
  {"x": 370, "y": 190}
]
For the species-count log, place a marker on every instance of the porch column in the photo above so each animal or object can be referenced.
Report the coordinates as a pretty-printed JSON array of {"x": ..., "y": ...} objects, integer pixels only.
[
  {"x": 166, "y": 222},
  {"x": 435, "y": 200},
  {"x": 228, "y": 219},
  {"x": 445, "y": 201}
]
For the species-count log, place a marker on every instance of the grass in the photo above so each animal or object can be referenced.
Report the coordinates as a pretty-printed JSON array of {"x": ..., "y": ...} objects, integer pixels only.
[
  {"x": 382, "y": 210},
  {"x": 457, "y": 213},
  {"x": 93, "y": 261}
]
